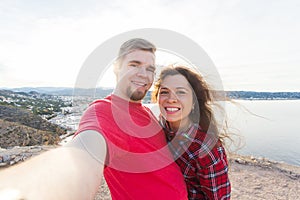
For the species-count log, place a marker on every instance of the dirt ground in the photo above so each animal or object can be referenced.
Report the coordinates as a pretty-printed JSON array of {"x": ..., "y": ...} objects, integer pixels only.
[
  {"x": 253, "y": 178},
  {"x": 264, "y": 181}
]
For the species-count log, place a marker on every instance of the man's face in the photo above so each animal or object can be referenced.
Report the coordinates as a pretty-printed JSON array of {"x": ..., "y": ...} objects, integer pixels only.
[{"x": 135, "y": 75}]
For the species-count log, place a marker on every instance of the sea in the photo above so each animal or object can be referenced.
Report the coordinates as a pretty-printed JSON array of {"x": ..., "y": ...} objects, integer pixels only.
[
  {"x": 264, "y": 128},
  {"x": 261, "y": 128},
  {"x": 269, "y": 128}
]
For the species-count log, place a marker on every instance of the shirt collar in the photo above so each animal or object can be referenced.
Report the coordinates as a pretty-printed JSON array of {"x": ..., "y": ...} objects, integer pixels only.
[{"x": 186, "y": 135}]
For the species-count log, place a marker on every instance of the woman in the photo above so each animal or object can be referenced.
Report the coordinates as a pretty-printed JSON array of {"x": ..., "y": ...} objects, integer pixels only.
[{"x": 193, "y": 137}]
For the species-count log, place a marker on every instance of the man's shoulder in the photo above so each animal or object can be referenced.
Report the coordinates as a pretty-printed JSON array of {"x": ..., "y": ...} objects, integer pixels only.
[
  {"x": 98, "y": 106},
  {"x": 101, "y": 102}
]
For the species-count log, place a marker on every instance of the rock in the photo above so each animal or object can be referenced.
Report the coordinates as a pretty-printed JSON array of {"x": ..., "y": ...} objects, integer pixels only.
[
  {"x": 18, "y": 154},
  {"x": 240, "y": 161},
  {"x": 5, "y": 158},
  {"x": 285, "y": 185},
  {"x": 257, "y": 187},
  {"x": 18, "y": 158},
  {"x": 3, "y": 164}
]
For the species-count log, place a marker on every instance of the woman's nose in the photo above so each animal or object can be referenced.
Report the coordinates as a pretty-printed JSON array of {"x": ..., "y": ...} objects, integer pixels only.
[{"x": 172, "y": 97}]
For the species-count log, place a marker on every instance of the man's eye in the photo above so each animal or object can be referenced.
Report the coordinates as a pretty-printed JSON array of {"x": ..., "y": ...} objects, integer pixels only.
[
  {"x": 133, "y": 65},
  {"x": 151, "y": 70}
]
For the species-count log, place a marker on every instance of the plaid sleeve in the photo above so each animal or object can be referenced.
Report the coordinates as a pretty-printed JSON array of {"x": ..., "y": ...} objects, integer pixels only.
[{"x": 213, "y": 174}]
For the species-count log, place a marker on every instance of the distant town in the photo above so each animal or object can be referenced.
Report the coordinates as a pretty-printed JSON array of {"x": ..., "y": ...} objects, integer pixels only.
[
  {"x": 49, "y": 101},
  {"x": 102, "y": 92}
]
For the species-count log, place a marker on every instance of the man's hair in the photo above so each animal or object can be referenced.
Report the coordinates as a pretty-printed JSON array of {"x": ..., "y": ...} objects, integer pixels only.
[
  {"x": 130, "y": 46},
  {"x": 135, "y": 44}
]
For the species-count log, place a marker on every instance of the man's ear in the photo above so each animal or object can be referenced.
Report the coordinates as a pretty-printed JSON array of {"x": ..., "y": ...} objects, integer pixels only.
[{"x": 116, "y": 70}]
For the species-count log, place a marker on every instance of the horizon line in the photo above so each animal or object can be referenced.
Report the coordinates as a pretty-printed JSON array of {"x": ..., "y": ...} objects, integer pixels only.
[{"x": 103, "y": 87}]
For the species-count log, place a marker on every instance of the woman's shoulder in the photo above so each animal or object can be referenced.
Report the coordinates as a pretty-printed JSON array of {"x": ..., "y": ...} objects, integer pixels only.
[{"x": 210, "y": 150}]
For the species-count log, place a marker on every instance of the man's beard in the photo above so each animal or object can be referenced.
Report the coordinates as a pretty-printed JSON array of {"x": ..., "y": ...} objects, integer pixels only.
[{"x": 135, "y": 95}]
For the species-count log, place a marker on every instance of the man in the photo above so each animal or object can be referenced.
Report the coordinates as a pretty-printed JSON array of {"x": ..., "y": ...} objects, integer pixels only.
[{"x": 117, "y": 133}]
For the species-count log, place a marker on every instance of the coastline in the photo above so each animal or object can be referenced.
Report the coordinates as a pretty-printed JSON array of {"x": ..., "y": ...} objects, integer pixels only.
[
  {"x": 292, "y": 171},
  {"x": 250, "y": 177},
  {"x": 260, "y": 178}
]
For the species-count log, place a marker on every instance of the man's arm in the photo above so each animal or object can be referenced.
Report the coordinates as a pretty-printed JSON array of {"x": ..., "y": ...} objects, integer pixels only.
[{"x": 73, "y": 171}]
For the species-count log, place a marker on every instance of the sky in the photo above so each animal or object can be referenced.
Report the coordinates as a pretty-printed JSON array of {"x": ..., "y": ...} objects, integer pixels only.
[{"x": 254, "y": 44}]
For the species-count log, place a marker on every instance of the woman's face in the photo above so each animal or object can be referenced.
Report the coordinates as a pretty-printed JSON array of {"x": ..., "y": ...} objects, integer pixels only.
[{"x": 175, "y": 99}]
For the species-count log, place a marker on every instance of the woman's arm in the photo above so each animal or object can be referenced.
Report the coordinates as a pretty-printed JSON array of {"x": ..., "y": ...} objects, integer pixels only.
[
  {"x": 213, "y": 174},
  {"x": 72, "y": 172}
]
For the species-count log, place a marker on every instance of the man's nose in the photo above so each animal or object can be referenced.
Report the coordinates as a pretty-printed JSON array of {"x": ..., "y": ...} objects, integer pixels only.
[{"x": 142, "y": 72}]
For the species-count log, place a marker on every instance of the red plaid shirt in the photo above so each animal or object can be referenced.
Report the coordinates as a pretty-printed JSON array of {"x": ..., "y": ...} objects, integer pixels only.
[{"x": 203, "y": 162}]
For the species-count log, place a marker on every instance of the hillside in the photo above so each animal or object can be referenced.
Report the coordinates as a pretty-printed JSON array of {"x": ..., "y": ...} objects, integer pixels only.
[{"x": 20, "y": 127}]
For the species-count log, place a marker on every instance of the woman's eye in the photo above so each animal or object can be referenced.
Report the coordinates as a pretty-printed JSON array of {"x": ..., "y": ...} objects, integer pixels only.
[
  {"x": 181, "y": 92},
  {"x": 163, "y": 92}
]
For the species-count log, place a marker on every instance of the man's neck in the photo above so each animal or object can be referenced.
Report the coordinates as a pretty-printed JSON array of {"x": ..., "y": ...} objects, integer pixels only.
[{"x": 126, "y": 98}]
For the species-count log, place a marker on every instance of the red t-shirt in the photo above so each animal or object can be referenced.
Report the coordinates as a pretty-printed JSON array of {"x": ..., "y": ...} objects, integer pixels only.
[{"x": 139, "y": 164}]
